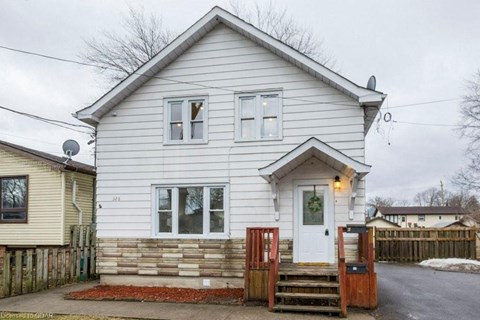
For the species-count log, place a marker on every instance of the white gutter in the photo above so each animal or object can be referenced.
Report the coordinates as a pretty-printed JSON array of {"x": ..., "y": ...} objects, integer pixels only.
[{"x": 74, "y": 202}]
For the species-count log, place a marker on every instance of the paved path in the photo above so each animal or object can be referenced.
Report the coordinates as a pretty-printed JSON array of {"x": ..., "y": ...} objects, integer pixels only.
[
  {"x": 51, "y": 301},
  {"x": 412, "y": 292}
]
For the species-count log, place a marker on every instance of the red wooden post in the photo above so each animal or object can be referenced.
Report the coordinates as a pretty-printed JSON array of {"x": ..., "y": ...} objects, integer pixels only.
[
  {"x": 342, "y": 272},
  {"x": 273, "y": 272}
]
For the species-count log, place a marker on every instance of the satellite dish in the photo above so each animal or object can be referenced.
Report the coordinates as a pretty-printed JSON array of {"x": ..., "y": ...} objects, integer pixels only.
[
  {"x": 71, "y": 148},
  {"x": 372, "y": 83}
]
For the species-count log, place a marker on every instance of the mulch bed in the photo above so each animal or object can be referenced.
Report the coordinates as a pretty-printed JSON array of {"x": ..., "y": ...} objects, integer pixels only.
[{"x": 158, "y": 294}]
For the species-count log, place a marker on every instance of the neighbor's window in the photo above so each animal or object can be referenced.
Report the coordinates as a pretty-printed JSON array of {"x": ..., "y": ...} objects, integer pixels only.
[
  {"x": 13, "y": 204},
  {"x": 404, "y": 219},
  {"x": 259, "y": 116},
  {"x": 421, "y": 217},
  {"x": 191, "y": 210},
  {"x": 186, "y": 120},
  {"x": 439, "y": 217}
]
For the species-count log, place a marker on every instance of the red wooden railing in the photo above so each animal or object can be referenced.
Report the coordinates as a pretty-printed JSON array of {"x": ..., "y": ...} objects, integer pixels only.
[
  {"x": 262, "y": 253},
  {"x": 274, "y": 259},
  {"x": 342, "y": 272}
]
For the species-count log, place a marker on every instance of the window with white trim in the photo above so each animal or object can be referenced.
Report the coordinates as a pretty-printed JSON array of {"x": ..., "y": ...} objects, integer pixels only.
[
  {"x": 421, "y": 217},
  {"x": 258, "y": 116},
  {"x": 186, "y": 120},
  {"x": 191, "y": 211}
]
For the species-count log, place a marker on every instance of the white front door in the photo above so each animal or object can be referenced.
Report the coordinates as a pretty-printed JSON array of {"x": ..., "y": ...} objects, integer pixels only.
[{"x": 314, "y": 221}]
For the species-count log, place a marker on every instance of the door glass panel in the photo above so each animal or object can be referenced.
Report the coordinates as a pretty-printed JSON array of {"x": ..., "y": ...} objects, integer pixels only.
[{"x": 313, "y": 207}]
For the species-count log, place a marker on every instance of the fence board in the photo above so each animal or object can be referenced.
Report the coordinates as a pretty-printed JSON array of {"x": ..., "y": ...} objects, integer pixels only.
[
  {"x": 18, "y": 272},
  {"x": 417, "y": 244}
]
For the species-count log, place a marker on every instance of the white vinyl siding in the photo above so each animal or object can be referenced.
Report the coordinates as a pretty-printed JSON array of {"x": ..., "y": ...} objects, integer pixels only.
[{"x": 132, "y": 158}]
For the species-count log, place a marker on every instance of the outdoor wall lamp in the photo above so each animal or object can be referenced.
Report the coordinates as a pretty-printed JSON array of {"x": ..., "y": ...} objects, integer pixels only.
[{"x": 337, "y": 184}]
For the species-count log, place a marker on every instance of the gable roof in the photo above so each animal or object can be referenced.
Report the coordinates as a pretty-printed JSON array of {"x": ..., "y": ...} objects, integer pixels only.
[
  {"x": 54, "y": 161},
  {"x": 420, "y": 210},
  {"x": 318, "y": 149},
  {"x": 366, "y": 97}
]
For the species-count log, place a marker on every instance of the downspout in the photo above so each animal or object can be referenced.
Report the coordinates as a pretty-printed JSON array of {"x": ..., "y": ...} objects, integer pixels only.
[
  {"x": 62, "y": 208},
  {"x": 74, "y": 202}
]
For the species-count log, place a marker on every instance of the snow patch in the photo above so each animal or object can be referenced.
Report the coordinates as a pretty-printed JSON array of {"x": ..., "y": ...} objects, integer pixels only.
[{"x": 452, "y": 264}]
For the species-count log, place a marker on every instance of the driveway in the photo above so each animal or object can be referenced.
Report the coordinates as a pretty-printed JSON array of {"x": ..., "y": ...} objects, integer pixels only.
[{"x": 413, "y": 292}]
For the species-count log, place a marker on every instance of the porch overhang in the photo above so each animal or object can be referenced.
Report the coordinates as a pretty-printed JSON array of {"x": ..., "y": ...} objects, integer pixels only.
[
  {"x": 313, "y": 147},
  {"x": 317, "y": 149}
]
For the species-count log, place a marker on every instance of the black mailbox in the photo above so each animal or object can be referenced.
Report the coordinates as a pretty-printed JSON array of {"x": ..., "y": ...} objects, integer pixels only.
[
  {"x": 357, "y": 268},
  {"x": 356, "y": 228}
]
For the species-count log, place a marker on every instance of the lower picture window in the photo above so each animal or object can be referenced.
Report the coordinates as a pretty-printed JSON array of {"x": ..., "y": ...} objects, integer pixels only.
[{"x": 190, "y": 210}]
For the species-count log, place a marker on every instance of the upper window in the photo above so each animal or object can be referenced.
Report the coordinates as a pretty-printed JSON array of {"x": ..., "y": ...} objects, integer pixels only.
[
  {"x": 186, "y": 120},
  {"x": 259, "y": 116},
  {"x": 421, "y": 217},
  {"x": 13, "y": 204},
  {"x": 191, "y": 211}
]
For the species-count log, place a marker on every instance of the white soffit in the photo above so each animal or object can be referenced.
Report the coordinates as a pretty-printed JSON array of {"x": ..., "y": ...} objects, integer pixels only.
[
  {"x": 317, "y": 149},
  {"x": 93, "y": 113}
]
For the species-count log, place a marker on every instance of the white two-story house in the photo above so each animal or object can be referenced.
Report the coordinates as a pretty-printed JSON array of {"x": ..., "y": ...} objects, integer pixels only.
[{"x": 226, "y": 128}]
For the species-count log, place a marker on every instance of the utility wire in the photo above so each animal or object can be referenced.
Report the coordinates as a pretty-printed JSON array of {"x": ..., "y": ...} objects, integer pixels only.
[
  {"x": 54, "y": 122},
  {"x": 422, "y": 103},
  {"x": 435, "y": 124},
  {"x": 231, "y": 90},
  {"x": 340, "y": 103}
]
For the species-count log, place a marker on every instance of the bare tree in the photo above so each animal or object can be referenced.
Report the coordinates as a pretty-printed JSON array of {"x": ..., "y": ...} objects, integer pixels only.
[
  {"x": 428, "y": 198},
  {"x": 469, "y": 177},
  {"x": 121, "y": 54},
  {"x": 464, "y": 200},
  {"x": 380, "y": 202},
  {"x": 276, "y": 22},
  {"x": 143, "y": 36}
]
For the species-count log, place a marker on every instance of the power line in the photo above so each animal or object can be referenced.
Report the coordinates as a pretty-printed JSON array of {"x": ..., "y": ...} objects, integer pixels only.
[
  {"x": 422, "y": 103},
  {"x": 54, "y": 122},
  {"x": 435, "y": 124},
  {"x": 340, "y": 103}
]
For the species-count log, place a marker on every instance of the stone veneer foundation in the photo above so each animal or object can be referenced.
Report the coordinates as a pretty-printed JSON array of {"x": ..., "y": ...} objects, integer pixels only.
[{"x": 175, "y": 262}]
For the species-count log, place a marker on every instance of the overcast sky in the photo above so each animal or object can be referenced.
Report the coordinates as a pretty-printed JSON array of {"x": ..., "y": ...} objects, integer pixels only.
[{"x": 419, "y": 51}]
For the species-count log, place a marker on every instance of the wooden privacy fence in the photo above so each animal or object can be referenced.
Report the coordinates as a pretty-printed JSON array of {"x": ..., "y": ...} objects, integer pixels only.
[
  {"x": 32, "y": 270},
  {"x": 418, "y": 244}
]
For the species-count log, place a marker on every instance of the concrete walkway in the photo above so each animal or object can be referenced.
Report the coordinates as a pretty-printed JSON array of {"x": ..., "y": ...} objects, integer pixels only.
[{"x": 51, "y": 301}]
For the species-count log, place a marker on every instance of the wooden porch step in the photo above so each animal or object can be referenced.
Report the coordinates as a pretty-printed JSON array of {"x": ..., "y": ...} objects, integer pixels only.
[
  {"x": 307, "y": 283},
  {"x": 293, "y": 295},
  {"x": 316, "y": 309},
  {"x": 308, "y": 272}
]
